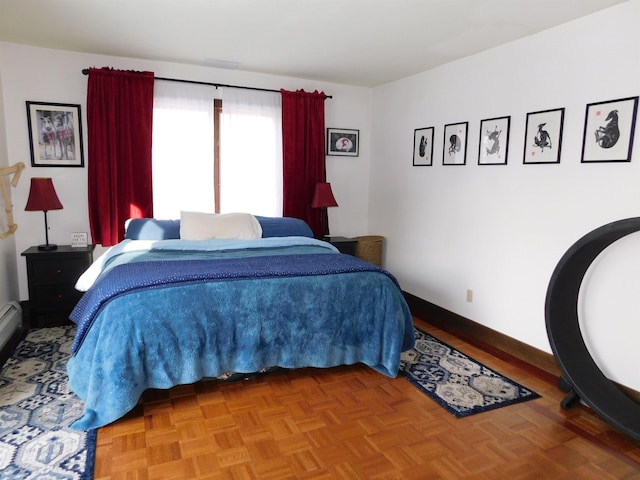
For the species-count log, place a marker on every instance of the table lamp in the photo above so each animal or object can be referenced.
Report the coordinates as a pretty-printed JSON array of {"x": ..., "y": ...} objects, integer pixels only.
[
  {"x": 323, "y": 198},
  {"x": 42, "y": 196}
]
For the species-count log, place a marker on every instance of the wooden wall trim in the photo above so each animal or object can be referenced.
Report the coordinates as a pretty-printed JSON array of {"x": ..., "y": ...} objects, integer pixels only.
[{"x": 481, "y": 336}]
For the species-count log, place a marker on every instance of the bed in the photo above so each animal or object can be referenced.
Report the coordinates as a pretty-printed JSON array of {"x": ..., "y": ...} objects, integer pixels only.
[{"x": 165, "y": 307}]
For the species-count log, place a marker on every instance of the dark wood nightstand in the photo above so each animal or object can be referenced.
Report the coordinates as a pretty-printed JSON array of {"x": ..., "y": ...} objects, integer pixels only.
[
  {"x": 52, "y": 276},
  {"x": 343, "y": 244}
]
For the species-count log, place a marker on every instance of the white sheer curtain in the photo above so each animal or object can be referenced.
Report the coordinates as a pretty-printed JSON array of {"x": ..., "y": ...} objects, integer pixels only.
[
  {"x": 251, "y": 152},
  {"x": 182, "y": 149}
]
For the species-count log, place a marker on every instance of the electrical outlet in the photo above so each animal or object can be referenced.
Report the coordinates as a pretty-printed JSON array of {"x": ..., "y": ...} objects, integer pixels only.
[{"x": 469, "y": 295}]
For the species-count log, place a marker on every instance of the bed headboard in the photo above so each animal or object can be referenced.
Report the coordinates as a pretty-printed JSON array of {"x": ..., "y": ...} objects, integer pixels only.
[{"x": 155, "y": 229}]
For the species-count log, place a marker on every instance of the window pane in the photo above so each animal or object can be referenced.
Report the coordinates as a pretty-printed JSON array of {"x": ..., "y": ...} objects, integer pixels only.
[
  {"x": 182, "y": 149},
  {"x": 251, "y": 152}
]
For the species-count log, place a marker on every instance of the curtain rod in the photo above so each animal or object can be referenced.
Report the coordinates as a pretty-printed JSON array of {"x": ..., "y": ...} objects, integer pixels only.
[{"x": 85, "y": 71}]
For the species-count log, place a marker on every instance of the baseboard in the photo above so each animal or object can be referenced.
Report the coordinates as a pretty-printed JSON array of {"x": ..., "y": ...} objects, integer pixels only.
[{"x": 481, "y": 336}]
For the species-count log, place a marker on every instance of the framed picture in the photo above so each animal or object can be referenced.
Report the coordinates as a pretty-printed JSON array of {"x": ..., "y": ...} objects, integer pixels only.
[
  {"x": 543, "y": 136},
  {"x": 342, "y": 142},
  {"x": 79, "y": 239},
  {"x": 494, "y": 141},
  {"x": 55, "y": 134},
  {"x": 608, "y": 130},
  {"x": 454, "y": 149},
  {"x": 423, "y": 147}
]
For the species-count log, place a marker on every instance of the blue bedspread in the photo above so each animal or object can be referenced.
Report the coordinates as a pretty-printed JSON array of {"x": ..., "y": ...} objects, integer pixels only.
[{"x": 166, "y": 322}]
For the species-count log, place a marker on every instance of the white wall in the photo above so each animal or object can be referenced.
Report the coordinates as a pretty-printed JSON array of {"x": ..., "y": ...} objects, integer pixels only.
[
  {"x": 37, "y": 74},
  {"x": 500, "y": 230}
]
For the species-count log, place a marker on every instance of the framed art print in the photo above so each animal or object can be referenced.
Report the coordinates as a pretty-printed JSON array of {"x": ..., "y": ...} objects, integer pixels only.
[
  {"x": 55, "y": 134},
  {"x": 454, "y": 149},
  {"x": 423, "y": 147},
  {"x": 494, "y": 141},
  {"x": 543, "y": 136},
  {"x": 79, "y": 239},
  {"x": 342, "y": 142},
  {"x": 608, "y": 130}
]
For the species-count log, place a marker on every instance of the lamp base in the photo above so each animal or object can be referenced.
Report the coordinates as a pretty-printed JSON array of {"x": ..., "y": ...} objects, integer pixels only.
[{"x": 47, "y": 247}]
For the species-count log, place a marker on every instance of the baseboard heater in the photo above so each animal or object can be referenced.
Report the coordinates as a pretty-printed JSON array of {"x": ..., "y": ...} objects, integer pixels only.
[{"x": 10, "y": 321}]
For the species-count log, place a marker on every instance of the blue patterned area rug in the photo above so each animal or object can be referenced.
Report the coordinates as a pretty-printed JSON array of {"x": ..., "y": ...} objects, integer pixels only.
[
  {"x": 36, "y": 409},
  {"x": 458, "y": 383}
]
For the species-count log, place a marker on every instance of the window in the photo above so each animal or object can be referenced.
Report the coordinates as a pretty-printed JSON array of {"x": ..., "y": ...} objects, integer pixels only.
[
  {"x": 251, "y": 152},
  {"x": 183, "y": 173},
  {"x": 209, "y": 159}
]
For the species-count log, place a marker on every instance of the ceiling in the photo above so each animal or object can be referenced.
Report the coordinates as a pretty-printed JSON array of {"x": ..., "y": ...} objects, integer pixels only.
[{"x": 355, "y": 42}]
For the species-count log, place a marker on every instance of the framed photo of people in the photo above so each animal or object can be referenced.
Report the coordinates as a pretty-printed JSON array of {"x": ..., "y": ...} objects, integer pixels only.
[{"x": 55, "y": 134}]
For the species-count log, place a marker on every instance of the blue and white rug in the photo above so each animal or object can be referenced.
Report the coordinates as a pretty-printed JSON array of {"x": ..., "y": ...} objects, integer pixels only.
[
  {"x": 36, "y": 410},
  {"x": 458, "y": 383}
]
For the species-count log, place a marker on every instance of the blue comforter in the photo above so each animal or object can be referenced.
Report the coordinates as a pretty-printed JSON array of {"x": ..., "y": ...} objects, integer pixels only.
[{"x": 174, "y": 312}]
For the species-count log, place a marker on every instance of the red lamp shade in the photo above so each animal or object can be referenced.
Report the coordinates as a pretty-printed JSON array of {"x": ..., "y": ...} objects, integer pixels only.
[
  {"x": 323, "y": 196},
  {"x": 42, "y": 196}
]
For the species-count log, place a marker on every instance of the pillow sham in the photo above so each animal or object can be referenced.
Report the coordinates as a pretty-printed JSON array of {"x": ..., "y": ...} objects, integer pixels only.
[
  {"x": 284, "y": 227},
  {"x": 204, "y": 226},
  {"x": 151, "y": 229}
]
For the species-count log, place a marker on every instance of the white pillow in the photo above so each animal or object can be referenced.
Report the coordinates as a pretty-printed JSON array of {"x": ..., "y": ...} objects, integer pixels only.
[{"x": 204, "y": 226}]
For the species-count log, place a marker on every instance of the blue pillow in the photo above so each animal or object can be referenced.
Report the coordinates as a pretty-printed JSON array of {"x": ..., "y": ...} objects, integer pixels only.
[
  {"x": 154, "y": 229},
  {"x": 284, "y": 227}
]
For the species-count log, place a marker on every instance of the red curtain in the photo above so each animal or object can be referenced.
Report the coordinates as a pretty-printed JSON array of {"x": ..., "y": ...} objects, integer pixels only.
[
  {"x": 303, "y": 155},
  {"x": 119, "y": 121}
]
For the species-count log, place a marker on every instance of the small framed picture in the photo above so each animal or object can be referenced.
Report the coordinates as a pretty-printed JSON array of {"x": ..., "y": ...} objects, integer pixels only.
[
  {"x": 79, "y": 239},
  {"x": 494, "y": 141},
  {"x": 454, "y": 149},
  {"x": 342, "y": 142},
  {"x": 608, "y": 130},
  {"x": 55, "y": 134},
  {"x": 543, "y": 136},
  {"x": 423, "y": 147}
]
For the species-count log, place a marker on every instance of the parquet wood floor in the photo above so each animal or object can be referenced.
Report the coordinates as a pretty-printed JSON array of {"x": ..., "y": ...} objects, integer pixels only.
[{"x": 353, "y": 423}]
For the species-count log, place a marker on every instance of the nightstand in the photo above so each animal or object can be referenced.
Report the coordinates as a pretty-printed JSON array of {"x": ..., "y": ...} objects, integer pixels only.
[
  {"x": 52, "y": 276},
  {"x": 343, "y": 244}
]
